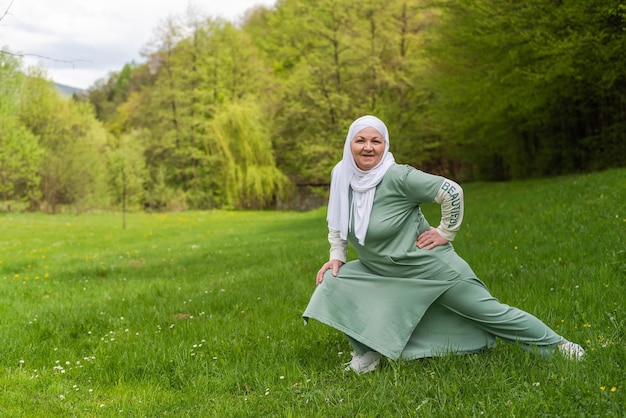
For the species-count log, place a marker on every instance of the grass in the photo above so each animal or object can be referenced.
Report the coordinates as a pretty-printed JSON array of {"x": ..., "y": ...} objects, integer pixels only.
[{"x": 198, "y": 314}]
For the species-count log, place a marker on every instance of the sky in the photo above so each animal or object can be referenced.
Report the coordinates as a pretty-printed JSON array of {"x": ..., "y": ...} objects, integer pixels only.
[{"x": 81, "y": 41}]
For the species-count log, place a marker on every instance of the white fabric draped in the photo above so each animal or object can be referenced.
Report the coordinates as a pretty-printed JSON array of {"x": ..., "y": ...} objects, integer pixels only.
[{"x": 346, "y": 174}]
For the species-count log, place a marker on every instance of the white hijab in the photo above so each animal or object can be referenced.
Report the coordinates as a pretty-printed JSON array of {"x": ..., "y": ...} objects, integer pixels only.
[{"x": 346, "y": 174}]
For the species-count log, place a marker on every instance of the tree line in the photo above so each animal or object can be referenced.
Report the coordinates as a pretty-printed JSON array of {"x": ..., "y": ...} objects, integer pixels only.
[{"x": 223, "y": 115}]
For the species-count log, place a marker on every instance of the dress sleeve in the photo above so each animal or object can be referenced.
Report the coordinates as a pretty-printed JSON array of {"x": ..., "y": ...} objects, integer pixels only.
[
  {"x": 421, "y": 187},
  {"x": 450, "y": 197},
  {"x": 338, "y": 246}
]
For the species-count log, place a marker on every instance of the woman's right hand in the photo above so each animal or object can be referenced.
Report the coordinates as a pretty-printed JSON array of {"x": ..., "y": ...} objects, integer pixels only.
[{"x": 332, "y": 264}]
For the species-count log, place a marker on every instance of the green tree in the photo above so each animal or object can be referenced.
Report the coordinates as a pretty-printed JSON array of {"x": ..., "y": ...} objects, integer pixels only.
[
  {"x": 530, "y": 89},
  {"x": 108, "y": 95},
  {"x": 249, "y": 175},
  {"x": 20, "y": 157},
  {"x": 198, "y": 66},
  {"x": 127, "y": 171},
  {"x": 20, "y": 154},
  {"x": 315, "y": 47},
  {"x": 337, "y": 60},
  {"x": 470, "y": 89},
  {"x": 72, "y": 170}
]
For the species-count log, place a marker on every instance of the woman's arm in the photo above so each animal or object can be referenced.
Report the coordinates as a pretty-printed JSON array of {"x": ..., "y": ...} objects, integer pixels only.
[
  {"x": 450, "y": 197},
  {"x": 338, "y": 254},
  {"x": 338, "y": 246}
]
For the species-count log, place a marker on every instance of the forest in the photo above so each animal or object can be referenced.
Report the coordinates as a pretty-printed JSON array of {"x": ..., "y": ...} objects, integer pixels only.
[{"x": 251, "y": 115}]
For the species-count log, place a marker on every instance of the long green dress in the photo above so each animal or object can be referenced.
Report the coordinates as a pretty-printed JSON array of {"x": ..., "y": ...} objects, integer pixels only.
[{"x": 406, "y": 302}]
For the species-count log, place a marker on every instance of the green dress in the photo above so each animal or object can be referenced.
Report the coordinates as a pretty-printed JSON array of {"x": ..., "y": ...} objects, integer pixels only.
[{"x": 406, "y": 302}]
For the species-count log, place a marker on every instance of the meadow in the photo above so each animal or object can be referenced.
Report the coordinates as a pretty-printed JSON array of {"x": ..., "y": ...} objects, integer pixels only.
[{"x": 198, "y": 314}]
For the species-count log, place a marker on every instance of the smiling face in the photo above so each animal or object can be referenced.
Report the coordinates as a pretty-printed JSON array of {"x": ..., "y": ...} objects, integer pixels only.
[{"x": 367, "y": 146}]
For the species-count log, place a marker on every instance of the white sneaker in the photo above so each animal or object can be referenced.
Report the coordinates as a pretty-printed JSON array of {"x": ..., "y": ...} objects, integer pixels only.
[
  {"x": 572, "y": 350},
  {"x": 364, "y": 363}
]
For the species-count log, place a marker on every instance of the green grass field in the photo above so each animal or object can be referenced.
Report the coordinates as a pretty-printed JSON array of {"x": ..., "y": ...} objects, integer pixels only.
[{"x": 198, "y": 314}]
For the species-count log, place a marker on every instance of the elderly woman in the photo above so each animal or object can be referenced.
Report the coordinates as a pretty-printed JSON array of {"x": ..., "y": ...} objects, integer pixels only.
[{"x": 409, "y": 295}]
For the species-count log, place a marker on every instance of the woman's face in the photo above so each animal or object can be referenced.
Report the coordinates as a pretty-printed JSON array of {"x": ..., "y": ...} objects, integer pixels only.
[{"x": 367, "y": 148}]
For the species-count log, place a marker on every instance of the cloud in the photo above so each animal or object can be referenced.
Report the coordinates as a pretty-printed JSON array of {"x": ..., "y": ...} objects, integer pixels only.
[{"x": 80, "y": 41}]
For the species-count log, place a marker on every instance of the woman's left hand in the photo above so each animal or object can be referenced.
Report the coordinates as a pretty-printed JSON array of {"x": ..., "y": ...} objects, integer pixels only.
[{"x": 430, "y": 239}]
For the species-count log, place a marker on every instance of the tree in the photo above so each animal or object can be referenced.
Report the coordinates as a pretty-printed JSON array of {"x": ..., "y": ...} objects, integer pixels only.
[
  {"x": 337, "y": 60},
  {"x": 127, "y": 171},
  {"x": 72, "y": 170},
  {"x": 20, "y": 154},
  {"x": 530, "y": 89},
  {"x": 19, "y": 161},
  {"x": 249, "y": 175},
  {"x": 198, "y": 66},
  {"x": 472, "y": 89},
  {"x": 316, "y": 51}
]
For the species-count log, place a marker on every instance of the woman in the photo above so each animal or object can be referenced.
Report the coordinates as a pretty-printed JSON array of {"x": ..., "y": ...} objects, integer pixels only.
[{"x": 409, "y": 295}]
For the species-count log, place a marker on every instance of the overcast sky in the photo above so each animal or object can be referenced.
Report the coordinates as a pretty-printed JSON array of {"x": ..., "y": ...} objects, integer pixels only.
[{"x": 87, "y": 39}]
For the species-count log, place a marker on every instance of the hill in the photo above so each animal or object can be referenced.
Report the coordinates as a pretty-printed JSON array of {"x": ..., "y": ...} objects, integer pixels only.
[{"x": 68, "y": 90}]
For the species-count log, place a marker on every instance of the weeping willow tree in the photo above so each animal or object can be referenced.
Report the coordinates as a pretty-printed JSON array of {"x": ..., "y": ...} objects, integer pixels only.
[{"x": 242, "y": 137}]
